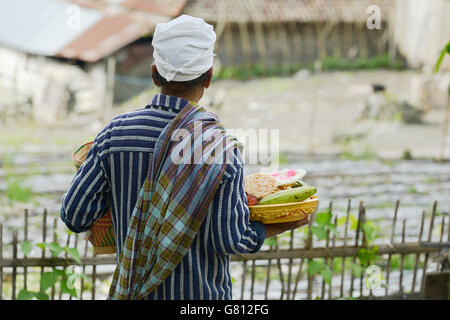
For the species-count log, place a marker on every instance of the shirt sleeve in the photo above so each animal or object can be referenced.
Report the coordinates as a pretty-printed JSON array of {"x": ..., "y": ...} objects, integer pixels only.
[
  {"x": 232, "y": 232},
  {"x": 87, "y": 198}
]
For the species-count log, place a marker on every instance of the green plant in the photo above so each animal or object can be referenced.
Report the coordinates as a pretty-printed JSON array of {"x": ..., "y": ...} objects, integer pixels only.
[
  {"x": 444, "y": 52},
  {"x": 318, "y": 266},
  {"x": 17, "y": 192},
  {"x": 321, "y": 227},
  {"x": 48, "y": 280},
  {"x": 323, "y": 224}
]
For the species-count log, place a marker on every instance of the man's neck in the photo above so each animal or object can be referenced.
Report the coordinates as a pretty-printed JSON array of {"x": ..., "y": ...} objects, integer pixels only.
[{"x": 190, "y": 96}]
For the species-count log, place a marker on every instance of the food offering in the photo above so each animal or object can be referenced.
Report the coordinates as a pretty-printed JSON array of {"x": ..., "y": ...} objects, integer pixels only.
[{"x": 279, "y": 196}]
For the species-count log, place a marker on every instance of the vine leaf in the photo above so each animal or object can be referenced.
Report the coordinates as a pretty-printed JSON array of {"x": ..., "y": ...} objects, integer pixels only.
[
  {"x": 48, "y": 279},
  {"x": 320, "y": 232},
  {"x": 74, "y": 254},
  {"x": 65, "y": 288},
  {"x": 445, "y": 50},
  {"x": 55, "y": 248},
  {"x": 24, "y": 294},
  {"x": 326, "y": 274},
  {"x": 41, "y": 296},
  {"x": 314, "y": 267},
  {"x": 26, "y": 247},
  {"x": 323, "y": 218}
]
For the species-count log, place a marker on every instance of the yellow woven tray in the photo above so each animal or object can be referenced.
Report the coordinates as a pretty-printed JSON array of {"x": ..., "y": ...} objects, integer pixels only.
[{"x": 285, "y": 212}]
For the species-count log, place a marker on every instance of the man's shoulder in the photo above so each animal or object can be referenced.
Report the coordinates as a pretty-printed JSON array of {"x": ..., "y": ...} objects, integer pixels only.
[
  {"x": 136, "y": 119},
  {"x": 132, "y": 131}
]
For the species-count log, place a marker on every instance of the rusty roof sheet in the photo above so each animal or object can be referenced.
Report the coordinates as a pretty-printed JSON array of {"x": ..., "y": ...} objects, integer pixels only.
[
  {"x": 111, "y": 33},
  {"x": 41, "y": 27},
  {"x": 285, "y": 10},
  {"x": 170, "y": 8}
]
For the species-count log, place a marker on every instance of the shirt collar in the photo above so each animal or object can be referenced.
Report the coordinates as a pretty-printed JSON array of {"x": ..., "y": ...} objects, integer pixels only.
[{"x": 172, "y": 102}]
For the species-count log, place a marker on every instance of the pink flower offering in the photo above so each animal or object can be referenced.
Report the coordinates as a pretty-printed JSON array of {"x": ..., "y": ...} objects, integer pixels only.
[
  {"x": 291, "y": 173},
  {"x": 288, "y": 176},
  {"x": 274, "y": 174}
]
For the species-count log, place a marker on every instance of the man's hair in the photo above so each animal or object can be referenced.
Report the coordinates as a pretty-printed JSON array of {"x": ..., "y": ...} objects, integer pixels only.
[{"x": 181, "y": 85}]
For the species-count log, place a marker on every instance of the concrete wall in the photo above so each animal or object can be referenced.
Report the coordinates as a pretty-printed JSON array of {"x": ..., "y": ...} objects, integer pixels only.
[
  {"x": 421, "y": 30},
  {"x": 46, "y": 89}
]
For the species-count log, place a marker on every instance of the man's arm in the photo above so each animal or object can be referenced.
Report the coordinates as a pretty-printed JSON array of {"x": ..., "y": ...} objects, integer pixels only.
[
  {"x": 231, "y": 230},
  {"x": 87, "y": 199}
]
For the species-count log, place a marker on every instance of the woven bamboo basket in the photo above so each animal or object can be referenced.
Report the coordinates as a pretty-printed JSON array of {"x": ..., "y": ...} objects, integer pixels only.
[
  {"x": 102, "y": 233},
  {"x": 285, "y": 212}
]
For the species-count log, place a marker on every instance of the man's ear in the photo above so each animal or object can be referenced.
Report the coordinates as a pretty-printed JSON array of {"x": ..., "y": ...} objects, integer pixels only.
[
  {"x": 207, "y": 83},
  {"x": 153, "y": 75}
]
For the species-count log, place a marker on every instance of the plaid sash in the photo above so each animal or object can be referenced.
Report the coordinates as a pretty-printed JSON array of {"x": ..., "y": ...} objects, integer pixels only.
[{"x": 173, "y": 202}]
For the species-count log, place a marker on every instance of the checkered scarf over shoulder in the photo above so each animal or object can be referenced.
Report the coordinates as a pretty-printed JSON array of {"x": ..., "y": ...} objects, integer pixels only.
[{"x": 172, "y": 203}]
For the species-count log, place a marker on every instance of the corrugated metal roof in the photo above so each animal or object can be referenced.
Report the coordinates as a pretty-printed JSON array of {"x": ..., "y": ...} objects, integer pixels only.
[
  {"x": 44, "y": 27},
  {"x": 105, "y": 37},
  {"x": 285, "y": 10},
  {"x": 170, "y": 8},
  {"x": 41, "y": 26}
]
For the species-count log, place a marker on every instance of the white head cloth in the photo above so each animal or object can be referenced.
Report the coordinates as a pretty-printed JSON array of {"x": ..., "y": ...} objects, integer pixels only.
[{"x": 183, "y": 48}]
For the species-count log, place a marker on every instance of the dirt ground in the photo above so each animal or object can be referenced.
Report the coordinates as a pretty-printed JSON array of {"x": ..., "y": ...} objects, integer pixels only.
[{"x": 313, "y": 113}]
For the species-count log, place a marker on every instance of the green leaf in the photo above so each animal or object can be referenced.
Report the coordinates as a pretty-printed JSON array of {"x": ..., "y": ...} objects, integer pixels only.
[
  {"x": 357, "y": 270},
  {"x": 59, "y": 272},
  {"x": 26, "y": 247},
  {"x": 314, "y": 267},
  {"x": 55, "y": 248},
  {"x": 320, "y": 232},
  {"x": 41, "y": 296},
  {"x": 445, "y": 50},
  {"x": 326, "y": 274},
  {"x": 353, "y": 222},
  {"x": 341, "y": 221},
  {"x": 24, "y": 294},
  {"x": 48, "y": 280},
  {"x": 270, "y": 241},
  {"x": 66, "y": 289},
  {"x": 332, "y": 228},
  {"x": 323, "y": 218},
  {"x": 363, "y": 256},
  {"x": 70, "y": 282},
  {"x": 369, "y": 230},
  {"x": 41, "y": 245},
  {"x": 74, "y": 254}
]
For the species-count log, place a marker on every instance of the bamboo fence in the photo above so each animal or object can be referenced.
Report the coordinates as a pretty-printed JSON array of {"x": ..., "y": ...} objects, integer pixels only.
[{"x": 278, "y": 268}]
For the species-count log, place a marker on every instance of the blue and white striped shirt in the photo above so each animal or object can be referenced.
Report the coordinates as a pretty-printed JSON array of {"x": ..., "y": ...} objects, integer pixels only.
[{"x": 113, "y": 174}]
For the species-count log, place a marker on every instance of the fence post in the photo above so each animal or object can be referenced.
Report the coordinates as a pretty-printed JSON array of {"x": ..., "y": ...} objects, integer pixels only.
[
  {"x": 291, "y": 246},
  {"x": 14, "y": 268},
  {"x": 388, "y": 268},
  {"x": 416, "y": 266},
  {"x": 402, "y": 258},
  {"x": 309, "y": 245},
  {"x": 269, "y": 265},
  {"x": 55, "y": 239},
  {"x": 333, "y": 244},
  {"x": 1, "y": 258},
  {"x": 25, "y": 238},
  {"x": 280, "y": 272},
  {"x": 84, "y": 268},
  {"x": 352, "y": 278},
  {"x": 430, "y": 236},
  {"x": 44, "y": 238},
  {"x": 345, "y": 246}
]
